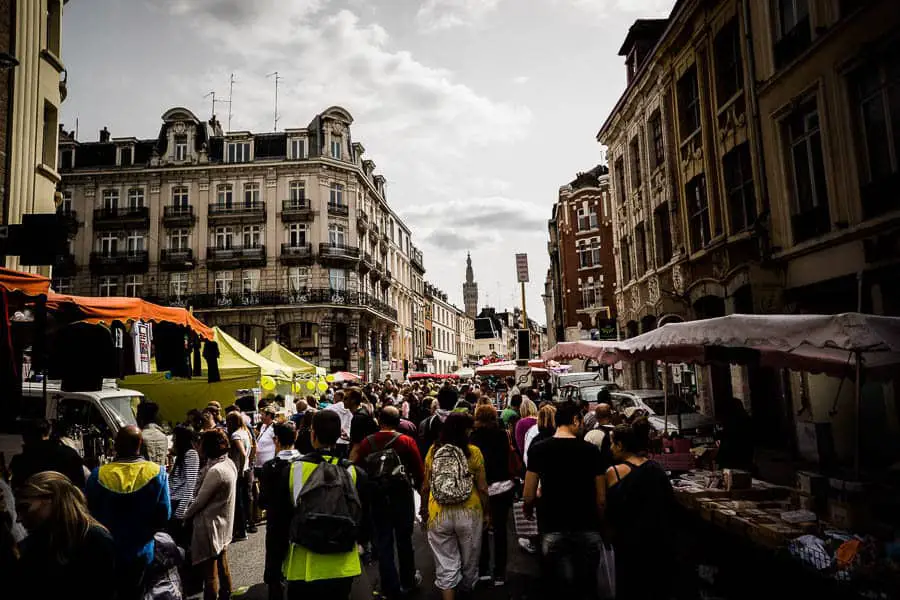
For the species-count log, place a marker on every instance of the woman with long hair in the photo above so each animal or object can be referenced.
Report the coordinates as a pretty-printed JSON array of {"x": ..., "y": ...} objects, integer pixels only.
[
  {"x": 528, "y": 418},
  {"x": 67, "y": 552},
  {"x": 182, "y": 480},
  {"x": 212, "y": 514},
  {"x": 241, "y": 453},
  {"x": 639, "y": 509},
  {"x": 455, "y": 529},
  {"x": 494, "y": 445},
  {"x": 542, "y": 430}
]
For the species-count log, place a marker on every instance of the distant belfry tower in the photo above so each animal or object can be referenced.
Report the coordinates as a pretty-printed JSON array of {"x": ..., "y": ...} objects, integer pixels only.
[{"x": 470, "y": 289}]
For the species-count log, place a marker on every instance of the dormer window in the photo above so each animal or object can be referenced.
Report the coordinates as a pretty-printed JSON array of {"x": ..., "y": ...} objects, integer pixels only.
[
  {"x": 239, "y": 152},
  {"x": 181, "y": 147},
  {"x": 67, "y": 159},
  {"x": 336, "y": 147},
  {"x": 297, "y": 149},
  {"x": 126, "y": 156}
]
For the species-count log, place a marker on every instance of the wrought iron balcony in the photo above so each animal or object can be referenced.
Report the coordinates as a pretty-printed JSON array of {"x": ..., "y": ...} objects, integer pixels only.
[
  {"x": 117, "y": 263},
  {"x": 296, "y": 209},
  {"x": 338, "y": 210},
  {"x": 333, "y": 252},
  {"x": 239, "y": 256},
  {"x": 242, "y": 212},
  {"x": 179, "y": 259},
  {"x": 69, "y": 217},
  {"x": 133, "y": 217},
  {"x": 296, "y": 254},
  {"x": 179, "y": 216},
  {"x": 301, "y": 297}
]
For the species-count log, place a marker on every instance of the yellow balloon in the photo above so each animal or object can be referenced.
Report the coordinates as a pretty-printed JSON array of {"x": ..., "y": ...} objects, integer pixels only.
[
  {"x": 295, "y": 387},
  {"x": 329, "y": 378},
  {"x": 310, "y": 385},
  {"x": 267, "y": 383},
  {"x": 323, "y": 386}
]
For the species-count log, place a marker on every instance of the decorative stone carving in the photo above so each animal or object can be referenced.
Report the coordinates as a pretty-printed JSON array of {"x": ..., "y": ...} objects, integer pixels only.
[
  {"x": 203, "y": 186},
  {"x": 678, "y": 279},
  {"x": 635, "y": 299},
  {"x": 337, "y": 129},
  {"x": 653, "y": 290},
  {"x": 719, "y": 263},
  {"x": 179, "y": 128},
  {"x": 620, "y": 304}
]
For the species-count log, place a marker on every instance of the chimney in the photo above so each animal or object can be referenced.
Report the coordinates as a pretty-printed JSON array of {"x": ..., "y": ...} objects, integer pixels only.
[{"x": 104, "y": 135}]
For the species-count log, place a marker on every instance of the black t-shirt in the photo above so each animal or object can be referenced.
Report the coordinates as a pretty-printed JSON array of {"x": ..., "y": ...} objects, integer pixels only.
[
  {"x": 361, "y": 426},
  {"x": 568, "y": 469}
]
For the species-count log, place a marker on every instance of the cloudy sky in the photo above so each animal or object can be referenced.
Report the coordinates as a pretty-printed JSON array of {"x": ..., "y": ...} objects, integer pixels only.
[{"x": 475, "y": 111}]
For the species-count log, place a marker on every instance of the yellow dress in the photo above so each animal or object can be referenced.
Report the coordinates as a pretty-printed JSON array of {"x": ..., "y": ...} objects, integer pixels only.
[{"x": 473, "y": 503}]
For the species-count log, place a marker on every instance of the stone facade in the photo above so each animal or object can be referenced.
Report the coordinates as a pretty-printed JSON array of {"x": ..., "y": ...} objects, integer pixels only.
[{"x": 284, "y": 235}]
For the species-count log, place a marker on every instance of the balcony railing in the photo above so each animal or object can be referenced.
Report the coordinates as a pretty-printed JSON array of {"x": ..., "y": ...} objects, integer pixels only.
[
  {"x": 362, "y": 220},
  {"x": 133, "y": 216},
  {"x": 69, "y": 217},
  {"x": 64, "y": 265},
  {"x": 296, "y": 209},
  {"x": 178, "y": 259},
  {"x": 252, "y": 256},
  {"x": 295, "y": 254},
  {"x": 387, "y": 278},
  {"x": 340, "y": 210},
  {"x": 336, "y": 251},
  {"x": 120, "y": 262},
  {"x": 242, "y": 211},
  {"x": 301, "y": 297},
  {"x": 178, "y": 215}
]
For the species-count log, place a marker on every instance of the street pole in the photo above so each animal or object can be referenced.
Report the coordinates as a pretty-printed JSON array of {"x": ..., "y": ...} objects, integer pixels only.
[{"x": 524, "y": 314}]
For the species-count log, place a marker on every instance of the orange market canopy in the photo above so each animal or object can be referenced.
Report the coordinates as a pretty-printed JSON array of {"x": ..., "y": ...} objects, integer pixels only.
[
  {"x": 107, "y": 310},
  {"x": 25, "y": 283}
]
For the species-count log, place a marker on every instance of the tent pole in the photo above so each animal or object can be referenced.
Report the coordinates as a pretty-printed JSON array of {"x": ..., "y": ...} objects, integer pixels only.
[
  {"x": 665, "y": 379},
  {"x": 858, "y": 390}
]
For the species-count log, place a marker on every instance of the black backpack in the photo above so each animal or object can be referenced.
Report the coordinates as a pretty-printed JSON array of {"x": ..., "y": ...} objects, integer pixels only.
[
  {"x": 384, "y": 467},
  {"x": 328, "y": 513}
]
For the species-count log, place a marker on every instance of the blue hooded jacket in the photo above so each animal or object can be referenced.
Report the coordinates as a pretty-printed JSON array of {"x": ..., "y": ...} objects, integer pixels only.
[{"x": 131, "y": 499}]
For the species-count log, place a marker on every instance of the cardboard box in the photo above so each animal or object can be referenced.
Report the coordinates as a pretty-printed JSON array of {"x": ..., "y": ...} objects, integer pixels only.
[
  {"x": 737, "y": 480},
  {"x": 812, "y": 484}
]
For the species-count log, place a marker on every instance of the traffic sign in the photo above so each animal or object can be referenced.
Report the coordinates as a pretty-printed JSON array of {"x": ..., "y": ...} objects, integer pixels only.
[{"x": 522, "y": 267}]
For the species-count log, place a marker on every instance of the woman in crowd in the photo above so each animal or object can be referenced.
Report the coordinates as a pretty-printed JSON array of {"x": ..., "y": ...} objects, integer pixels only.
[
  {"x": 67, "y": 553},
  {"x": 182, "y": 480},
  {"x": 543, "y": 429},
  {"x": 208, "y": 420},
  {"x": 639, "y": 509},
  {"x": 494, "y": 445},
  {"x": 454, "y": 530},
  {"x": 528, "y": 418},
  {"x": 212, "y": 514},
  {"x": 241, "y": 453},
  {"x": 304, "y": 432}
]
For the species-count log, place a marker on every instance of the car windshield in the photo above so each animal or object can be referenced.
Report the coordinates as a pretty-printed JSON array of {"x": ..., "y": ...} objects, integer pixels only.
[
  {"x": 676, "y": 405},
  {"x": 589, "y": 394},
  {"x": 121, "y": 408}
]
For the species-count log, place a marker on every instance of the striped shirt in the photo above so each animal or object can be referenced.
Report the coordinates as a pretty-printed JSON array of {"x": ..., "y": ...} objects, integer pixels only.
[{"x": 183, "y": 483}]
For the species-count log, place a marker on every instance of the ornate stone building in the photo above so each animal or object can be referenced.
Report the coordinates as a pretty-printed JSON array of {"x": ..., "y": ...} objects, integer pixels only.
[
  {"x": 470, "y": 289},
  {"x": 285, "y": 235}
]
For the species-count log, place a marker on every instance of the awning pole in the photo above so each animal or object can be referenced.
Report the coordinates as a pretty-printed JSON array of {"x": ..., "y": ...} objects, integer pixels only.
[
  {"x": 858, "y": 388},
  {"x": 666, "y": 398}
]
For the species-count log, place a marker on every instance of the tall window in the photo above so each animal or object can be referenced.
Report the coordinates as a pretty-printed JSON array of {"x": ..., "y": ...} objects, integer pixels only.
[
  {"x": 336, "y": 235},
  {"x": 135, "y": 198},
  {"x": 792, "y": 30},
  {"x": 179, "y": 239},
  {"x": 65, "y": 207},
  {"x": 126, "y": 156},
  {"x": 809, "y": 210},
  {"x": 250, "y": 283},
  {"x": 634, "y": 149},
  {"x": 181, "y": 147},
  {"x": 298, "y": 148},
  {"x": 337, "y": 278},
  {"x": 49, "y": 149},
  {"x": 109, "y": 244},
  {"x": 251, "y": 195},
  {"x": 590, "y": 293},
  {"x": 698, "y": 208},
  {"x": 135, "y": 243},
  {"x": 297, "y": 193},
  {"x": 133, "y": 285},
  {"x": 62, "y": 285},
  {"x": 224, "y": 237},
  {"x": 662, "y": 234},
  {"x": 336, "y": 194},
  {"x": 252, "y": 236},
  {"x": 54, "y": 25},
  {"x": 584, "y": 255},
  {"x": 584, "y": 220},
  {"x": 178, "y": 285},
  {"x": 876, "y": 91},
  {"x": 181, "y": 197},
  {"x": 625, "y": 259},
  {"x": 595, "y": 251},
  {"x": 640, "y": 249},
  {"x": 238, "y": 152},
  {"x": 223, "y": 280},
  {"x": 298, "y": 278},
  {"x": 620, "y": 180},
  {"x": 296, "y": 235},
  {"x": 741, "y": 196},
  {"x": 729, "y": 68},
  {"x": 336, "y": 143},
  {"x": 111, "y": 200},
  {"x": 109, "y": 286},
  {"x": 657, "y": 152},
  {"x": 225, "y": 195},
  {"x": 688, "y": 103}
]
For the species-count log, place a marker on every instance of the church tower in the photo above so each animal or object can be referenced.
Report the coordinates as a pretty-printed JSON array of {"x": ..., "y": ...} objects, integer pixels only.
[{"x": 470, "y": 290}]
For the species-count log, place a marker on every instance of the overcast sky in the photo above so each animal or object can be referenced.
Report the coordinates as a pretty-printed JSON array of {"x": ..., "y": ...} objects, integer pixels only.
[{"x": 475, "y": 111}]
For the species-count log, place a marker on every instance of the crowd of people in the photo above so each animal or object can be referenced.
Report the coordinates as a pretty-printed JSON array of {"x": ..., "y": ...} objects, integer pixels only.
[{"x": 335, "y": 481}]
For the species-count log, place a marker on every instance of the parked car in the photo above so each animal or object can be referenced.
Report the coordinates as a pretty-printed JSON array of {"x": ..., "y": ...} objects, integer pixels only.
[
  {"x": 583, "y": 378},
  {"x": 683, "y": 418},
  {"x": 585, "y": 392}
]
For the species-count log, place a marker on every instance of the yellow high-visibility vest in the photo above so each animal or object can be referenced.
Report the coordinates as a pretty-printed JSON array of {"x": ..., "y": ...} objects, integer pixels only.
[{"x": 301, "y": 564}]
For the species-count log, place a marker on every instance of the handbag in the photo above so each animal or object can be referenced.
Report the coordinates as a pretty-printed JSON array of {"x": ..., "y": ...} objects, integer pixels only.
[{"x": 606, "y": 572}]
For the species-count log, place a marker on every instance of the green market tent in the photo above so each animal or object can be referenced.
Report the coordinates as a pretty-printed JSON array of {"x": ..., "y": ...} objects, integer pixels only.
[
  {"x": 279, "y": 354},
  {"x": 239, "y": 367}
]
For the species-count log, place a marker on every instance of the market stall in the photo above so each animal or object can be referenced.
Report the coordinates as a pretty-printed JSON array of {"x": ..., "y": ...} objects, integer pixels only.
[
  {"x": 435, "y": 376},
  {"x": 301, "y": 367}
]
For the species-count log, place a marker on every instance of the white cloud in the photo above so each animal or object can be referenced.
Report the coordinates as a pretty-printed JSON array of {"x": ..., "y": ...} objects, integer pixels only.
[
  {"x": 521, "y": 79},
  {"x": 640, "y": 8},
  {"x": 435, "y": 15}
]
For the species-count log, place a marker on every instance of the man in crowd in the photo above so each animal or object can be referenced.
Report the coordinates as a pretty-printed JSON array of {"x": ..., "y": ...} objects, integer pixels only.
[
  {"x": 277, "y": 526},
  {"x": 130, "y": 497},
  {"x": 572, "y": 481},
  {"x": 310, "y": 574},
  {"x": 362, "y": 423},
  {"x": 346, "y": 415},
  {"x": 600, "y": 434},
  {"x": 156, "y": 444},
  {"x": 430, "y": 429},
  {"x": 40, "y": 453},
  {"x": 395, "y": 468},
  {"x": 512, "y": 409}
]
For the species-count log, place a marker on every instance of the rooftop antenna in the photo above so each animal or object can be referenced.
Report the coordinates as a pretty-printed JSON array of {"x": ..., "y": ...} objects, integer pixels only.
[
  {"x": 277, "y": 79},
  {"x": 76, "y": 129},
  {"x": 230, "y": 98},
  {"x": 213, "y": 94}
]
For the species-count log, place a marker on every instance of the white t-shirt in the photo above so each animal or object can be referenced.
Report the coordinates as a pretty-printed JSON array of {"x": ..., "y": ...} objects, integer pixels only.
[
  {"x": 595, "y": 436},
  {"x": 346, "y": 420},
  {"x": 243, "y": 437},
  {"x": 529, "y": 437},
  {"x": 265, "y": 445}
]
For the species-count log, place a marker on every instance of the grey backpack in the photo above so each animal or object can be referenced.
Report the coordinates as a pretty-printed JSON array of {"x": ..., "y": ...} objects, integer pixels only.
[
  {"x": 328, "y": 513},
  {"x": 451, "y": 480}
]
